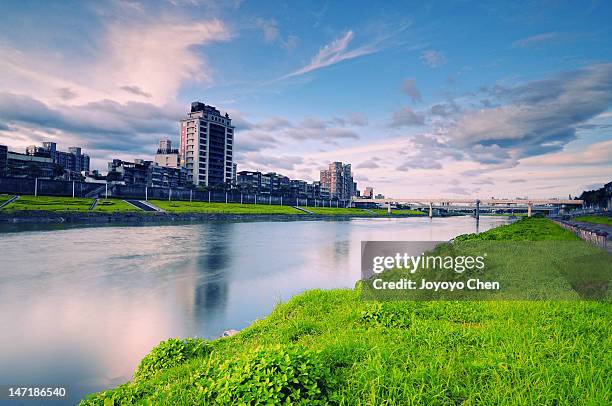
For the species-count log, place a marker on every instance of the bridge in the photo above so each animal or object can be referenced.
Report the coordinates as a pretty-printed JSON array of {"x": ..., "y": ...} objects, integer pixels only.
[{"x": 475, "y": 204}]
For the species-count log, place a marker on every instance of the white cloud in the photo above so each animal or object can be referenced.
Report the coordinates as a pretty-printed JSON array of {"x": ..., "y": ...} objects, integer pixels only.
[
  {"x": 534, "y": 39},
  {"x": 334, "y": 52},
  {"x": 433, "y": 59},
  {"x": 153, "y": 57}
]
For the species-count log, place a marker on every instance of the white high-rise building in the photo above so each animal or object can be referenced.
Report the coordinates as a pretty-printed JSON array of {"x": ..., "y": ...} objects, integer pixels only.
[{"x": 206, "y": 147}]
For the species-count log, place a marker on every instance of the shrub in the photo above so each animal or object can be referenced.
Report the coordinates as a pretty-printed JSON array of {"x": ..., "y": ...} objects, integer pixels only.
[
  {"x": 278, "y": 375},
  {"x": 390, "y": 315},
  {"x": 169, "y": 354}
]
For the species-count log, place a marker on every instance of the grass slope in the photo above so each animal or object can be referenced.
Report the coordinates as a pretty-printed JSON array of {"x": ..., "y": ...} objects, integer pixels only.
[
  {"x": 398, "y": 212},
  {"x": 327, "y": 347},
  {"x": 225, "y": 208},
  {"x": 47, "y": 203},
  {"x": 607, "y": 220},
  {"x": 114, "y": 206},
  {"x": 338, "y": 211},
  {"x": 4, "y": 198}
]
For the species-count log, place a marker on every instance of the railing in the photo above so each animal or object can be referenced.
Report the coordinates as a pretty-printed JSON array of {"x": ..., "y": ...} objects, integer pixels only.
[
  {"x": 594, "y": 236},
  {"x": 48, "y": 187}
]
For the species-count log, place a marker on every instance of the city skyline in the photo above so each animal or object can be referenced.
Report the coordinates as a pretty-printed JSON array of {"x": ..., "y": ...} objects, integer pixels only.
[{"x": 442, "y": 99}]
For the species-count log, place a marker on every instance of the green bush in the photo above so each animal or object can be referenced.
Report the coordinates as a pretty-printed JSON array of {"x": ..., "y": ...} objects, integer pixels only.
[
  {"x": 277, "y": 375},
  {"x": 386, "y": 315},
  {"x": 171, "y": 353}
]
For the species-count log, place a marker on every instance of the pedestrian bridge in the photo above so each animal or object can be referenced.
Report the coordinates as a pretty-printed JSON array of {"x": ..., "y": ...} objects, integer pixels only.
[{"x": 475, "y": 204}]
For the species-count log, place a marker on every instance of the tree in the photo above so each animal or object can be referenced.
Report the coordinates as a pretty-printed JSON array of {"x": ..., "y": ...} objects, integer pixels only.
[
  {"x": 58, "y": 171},
  {"x": 33, "y": 170},
  {"x": 113, "y": 176}
]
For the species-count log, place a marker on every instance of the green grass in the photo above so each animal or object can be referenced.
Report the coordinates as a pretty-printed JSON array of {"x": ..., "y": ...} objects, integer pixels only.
[
  {"x": 527, "y": 229},
  {"x": 331, "y": 347},
  {"x": 504, "y": 214},
  {"x": 398, "y": 212},
  {"x": 607, "y": 220},
  {"x": 338, "y": 211},
  {"x": 47, "y": 203},
  {"x": 4, "y": 198},
  {"x": 223, "y": 208},
  {"x": 114, "y": 206}
]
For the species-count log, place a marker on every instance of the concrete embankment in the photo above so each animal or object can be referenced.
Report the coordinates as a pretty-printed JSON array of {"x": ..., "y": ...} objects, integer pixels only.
[
  {"x": 598, "y": 234},
  {"x": 45, "y": 217}
]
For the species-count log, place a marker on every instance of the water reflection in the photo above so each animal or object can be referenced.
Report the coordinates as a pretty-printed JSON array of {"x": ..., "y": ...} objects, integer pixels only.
[{"x": 83, "y": 306}]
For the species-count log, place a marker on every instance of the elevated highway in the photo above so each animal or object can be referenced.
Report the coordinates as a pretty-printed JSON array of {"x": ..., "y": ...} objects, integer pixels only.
[{"x": 475, "y": 204}]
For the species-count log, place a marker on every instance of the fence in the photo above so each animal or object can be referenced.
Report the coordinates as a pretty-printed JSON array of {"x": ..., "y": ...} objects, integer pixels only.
[
  {"x": 597, "y": 237},
  {"x": 49, "y": 187}
]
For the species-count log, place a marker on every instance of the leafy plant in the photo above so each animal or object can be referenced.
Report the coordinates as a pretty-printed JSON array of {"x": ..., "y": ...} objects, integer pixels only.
[
  {"x": 276, "y": 375},
  {"x": 171, "y": 353}
]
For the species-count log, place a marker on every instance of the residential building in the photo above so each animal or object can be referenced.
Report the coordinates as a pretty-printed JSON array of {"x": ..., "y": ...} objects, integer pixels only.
[
  {"x": 166, "y": 156},
  {"x": 280, "y": 185},
  {"x": 206, "y": 146},
  {"x": 320, "y": 191},
  {"x": 368, "y": 193},
  {"x": 147, "y": 173},
  {"x": 249, "y": 181},
  {"x": 29, "y": 166},
  {"x": 339, "y": 180},
  {"x": 3, "y": 160},
  {"x": 234, "y": 174},
  {"x": 73, "y": 160}
]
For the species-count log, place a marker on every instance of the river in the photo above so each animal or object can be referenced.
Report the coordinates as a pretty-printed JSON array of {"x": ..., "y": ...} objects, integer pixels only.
[{"x": 81, "y": 306}]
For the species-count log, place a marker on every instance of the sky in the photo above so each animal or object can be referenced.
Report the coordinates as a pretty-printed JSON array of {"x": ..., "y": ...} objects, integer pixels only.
[{"x": 424, "y": 99}]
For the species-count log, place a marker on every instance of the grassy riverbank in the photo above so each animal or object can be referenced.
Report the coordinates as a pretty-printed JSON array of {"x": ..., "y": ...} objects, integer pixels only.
[
  {"x": 607, "y": 220},
  {"x": 111, "y": 206},
  {"x": 223, "y": 208},
  {"x": 114, "y": 206},
  {"x": 49, "y": 203},
  {"x": 399, "y": 212},
  {"x": 4, "y": 198},
  {"x": 333, "y": 347}
]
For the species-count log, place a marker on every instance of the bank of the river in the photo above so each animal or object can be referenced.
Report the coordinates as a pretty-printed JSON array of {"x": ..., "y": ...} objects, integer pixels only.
[
  {"x": 44, "y": 209},
  {"x": 333, "y": 347},
  {"x": 37, "y": 216}
]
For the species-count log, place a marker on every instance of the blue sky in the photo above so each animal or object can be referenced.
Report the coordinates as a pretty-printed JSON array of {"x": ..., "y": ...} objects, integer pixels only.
[{"x": 438, "y": 99}]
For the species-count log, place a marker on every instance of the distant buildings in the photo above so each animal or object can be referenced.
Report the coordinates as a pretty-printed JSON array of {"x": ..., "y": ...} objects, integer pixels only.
[
  {"x": 206, "y": 146},
  {"x": 276, "y": 184},
  {"x": 29, "y": 166},
  {"x": 145, "y": 173},
  {"x": 43, "y": 162},
  {"x": 380, "y": 196},
  {"x": 368, "y": 193},
  {"x": 73, "y": 160},
  {"x": 166, "y": 156},
  {"x": 339, "y": 180}
]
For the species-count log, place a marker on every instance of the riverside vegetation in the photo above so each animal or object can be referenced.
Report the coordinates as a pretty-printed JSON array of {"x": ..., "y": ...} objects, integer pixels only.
[
  {"x": 68, "y": 204},
  {"x": 331, "y": 347},
  {"x": 607, "y": 220}
]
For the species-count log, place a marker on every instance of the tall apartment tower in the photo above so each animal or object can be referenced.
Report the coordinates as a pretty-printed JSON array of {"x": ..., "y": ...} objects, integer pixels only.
[
  {"x": 206, "y": 148},
  {"x": 339, "y": 180}
]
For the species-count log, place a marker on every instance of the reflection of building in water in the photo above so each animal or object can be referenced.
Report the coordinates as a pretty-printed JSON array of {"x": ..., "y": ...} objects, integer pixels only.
[
  {"x": 204, "y": 293},
  {"x": 212, "y": 265}
]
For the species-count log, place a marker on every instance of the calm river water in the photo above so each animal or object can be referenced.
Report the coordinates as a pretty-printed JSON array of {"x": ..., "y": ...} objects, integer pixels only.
[{"x": 82, "y": 306}]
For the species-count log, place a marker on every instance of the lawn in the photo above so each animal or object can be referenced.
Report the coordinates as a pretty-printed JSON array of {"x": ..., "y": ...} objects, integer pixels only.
[
  {"x": 47, "y": 203},
  {"x": 340, "y": 211},
  {"x": 223, "y": 208},
  {"x": 398, "y": 212},
  {"x": 331, "y": 347},
  {"x": 4, "y": 198},
  {"x": 607, "y": 220},
  {"x": 114, "y": 206}
]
